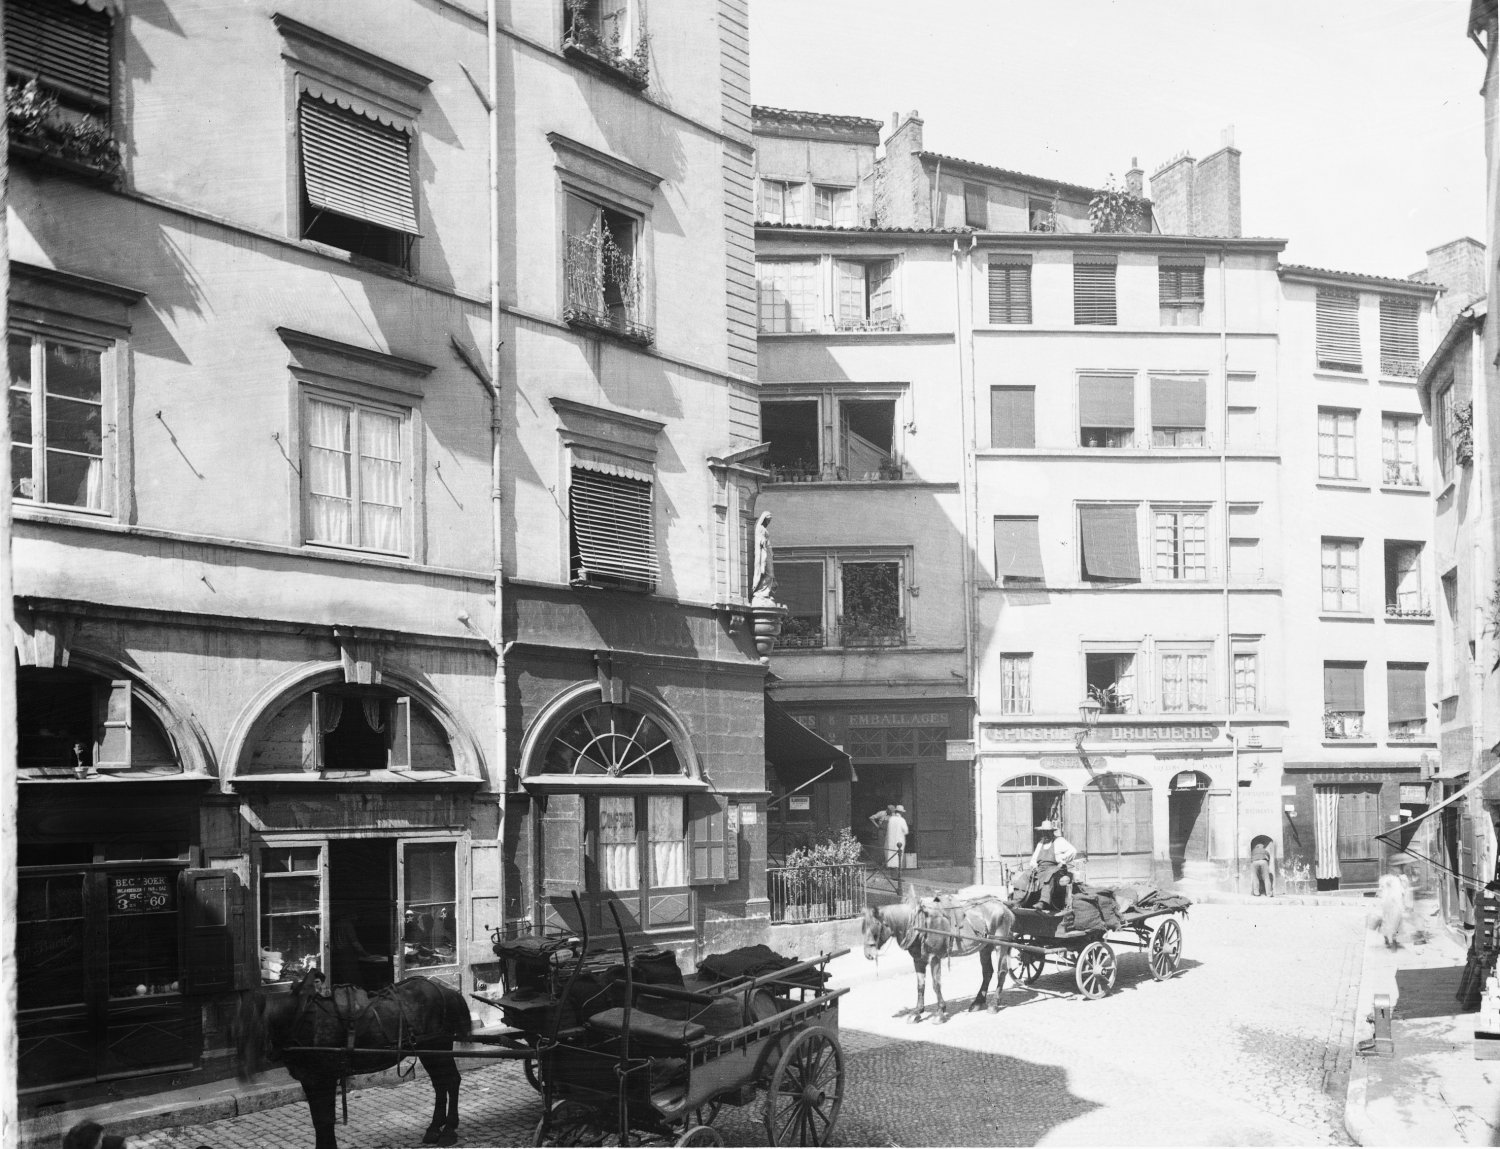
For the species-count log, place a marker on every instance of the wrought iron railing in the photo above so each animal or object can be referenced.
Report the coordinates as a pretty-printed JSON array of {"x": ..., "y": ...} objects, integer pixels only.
[
  {"x": 1408, "y": 608},
  {"x": 890, "y": 323},
  {"x": 890, "y": 470},
  {"x": 816, "y": 893},
  {"x": 869, "y": 632},
  {"x": 1401, "y": 368},
  {"x": 604, "y": 287},
  {"x": 1402, "y": 474},
  {"x": 1341, "y": 725}
]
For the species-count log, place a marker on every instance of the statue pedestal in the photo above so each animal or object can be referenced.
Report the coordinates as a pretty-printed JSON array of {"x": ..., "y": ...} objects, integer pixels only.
[{"x": 766, "y": 619}]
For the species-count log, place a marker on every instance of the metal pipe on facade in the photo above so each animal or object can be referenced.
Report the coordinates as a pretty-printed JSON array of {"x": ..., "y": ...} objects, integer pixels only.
[
  {"x": 963, "y": 343},
  {"x": 497, "y": 491},
  {"x": 1224, "y": 551}
]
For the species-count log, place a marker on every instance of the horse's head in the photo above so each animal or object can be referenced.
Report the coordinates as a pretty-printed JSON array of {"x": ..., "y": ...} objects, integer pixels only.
[
  {"x": 876, "y": 929},
  {"x": 260, "y": 1023}
]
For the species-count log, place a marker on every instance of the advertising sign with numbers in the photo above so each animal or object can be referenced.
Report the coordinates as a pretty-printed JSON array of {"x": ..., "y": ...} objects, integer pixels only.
[{"x": 142, "y": 893}]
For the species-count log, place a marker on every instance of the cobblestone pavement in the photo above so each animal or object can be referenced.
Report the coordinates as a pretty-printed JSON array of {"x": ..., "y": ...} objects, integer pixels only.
[{"x": 1240, "y": 1048}]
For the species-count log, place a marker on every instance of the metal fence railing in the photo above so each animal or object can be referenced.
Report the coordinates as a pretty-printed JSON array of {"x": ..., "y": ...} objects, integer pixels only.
[{"x": 816, "y": 893}]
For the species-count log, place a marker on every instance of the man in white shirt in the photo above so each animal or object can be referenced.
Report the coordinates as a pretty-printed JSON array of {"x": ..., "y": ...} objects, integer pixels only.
[{"x": 1049, "y": 863}]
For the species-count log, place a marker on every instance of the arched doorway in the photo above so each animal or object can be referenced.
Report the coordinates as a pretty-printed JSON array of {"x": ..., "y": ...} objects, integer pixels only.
[
  {"x": 1024, "y": 803},
  {"x": 1188, "y": 821},
  {"x": 1117, "y": 833}
]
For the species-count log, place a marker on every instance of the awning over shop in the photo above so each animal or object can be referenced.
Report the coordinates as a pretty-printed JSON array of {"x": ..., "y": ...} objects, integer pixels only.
[
  {"x": 797, "y": 755},
  {"x": 1390, "y": 836}
]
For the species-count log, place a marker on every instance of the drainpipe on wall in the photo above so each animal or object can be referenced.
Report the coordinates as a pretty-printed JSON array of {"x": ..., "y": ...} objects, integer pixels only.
[
  {"x": 963, "y": 343},
  {"x": 1228, "y": 663},
  {"x": 1482, "y": 581},
  {"x": 497, "y": 491}
]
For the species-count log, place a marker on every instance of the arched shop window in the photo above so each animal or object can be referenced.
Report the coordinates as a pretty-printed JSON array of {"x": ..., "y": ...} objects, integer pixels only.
[
  {"x": 623, "y": 816},
  {"x": 69, "y": 722},
  {"x": 1024, "y": 803},
  {"x": 1117, "y": 825},
  {"x": 359, "y": 729}
]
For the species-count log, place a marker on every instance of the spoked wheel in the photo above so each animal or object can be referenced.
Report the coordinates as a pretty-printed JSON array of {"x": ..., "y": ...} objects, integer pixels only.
[
  {"x": 1164, "y": 950},
  {"x": 1095, "y": 971},
  {"x": 807, "y": 1090},
  {"x": 700, "y": 1135},
  {"x": 1025, "y": 968},
  {"x": 569, "y": 1123},
  {"x": 533, "y": 1078}
]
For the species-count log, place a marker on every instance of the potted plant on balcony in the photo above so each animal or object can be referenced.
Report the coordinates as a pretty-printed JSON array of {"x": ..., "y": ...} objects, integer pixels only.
[
  {"x": 41, "y": 130},
  {"x": 587, "y": 42}
]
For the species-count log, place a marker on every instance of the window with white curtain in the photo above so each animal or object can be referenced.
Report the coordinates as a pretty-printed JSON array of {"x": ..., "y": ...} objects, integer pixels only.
[
  {"x": 57, "y": 421},
  {"x": 1336, "y": 444},
  {"x": 1185, "y": 676},
  {"x": 354, "y": 474},
  {"x": 1340, "y": 574}
]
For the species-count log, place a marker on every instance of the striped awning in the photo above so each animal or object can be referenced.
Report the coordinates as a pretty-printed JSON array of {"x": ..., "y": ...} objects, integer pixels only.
[
  {"x": 605, "y": 463},
  {"x": 356, "y": 166}
]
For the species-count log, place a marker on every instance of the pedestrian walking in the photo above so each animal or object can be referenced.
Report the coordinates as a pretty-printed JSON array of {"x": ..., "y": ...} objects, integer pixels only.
[
  {"x": 891, "y": 822},
  {"x": 1262, "y": 867}
]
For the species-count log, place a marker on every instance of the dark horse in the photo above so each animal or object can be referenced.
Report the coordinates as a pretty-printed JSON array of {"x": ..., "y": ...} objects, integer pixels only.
[
  {"x": 937, "y": 929},
  {"x": 416, "y": 1017}
]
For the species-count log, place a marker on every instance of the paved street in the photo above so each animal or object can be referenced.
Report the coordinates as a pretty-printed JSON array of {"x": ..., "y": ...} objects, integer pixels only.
[{"x": 1239, "y": 1049}]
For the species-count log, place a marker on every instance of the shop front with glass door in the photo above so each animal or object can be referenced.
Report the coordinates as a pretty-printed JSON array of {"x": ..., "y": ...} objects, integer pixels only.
[{"x": 366, "y": 910}]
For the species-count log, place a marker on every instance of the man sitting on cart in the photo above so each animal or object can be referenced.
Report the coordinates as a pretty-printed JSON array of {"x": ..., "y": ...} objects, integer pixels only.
[{"x": 1048, "y": 875}]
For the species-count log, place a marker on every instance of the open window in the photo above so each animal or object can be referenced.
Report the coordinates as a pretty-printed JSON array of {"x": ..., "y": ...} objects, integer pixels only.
[
  {"x": 605, "y": 284},
  {"x": 794, "y": 430},
  {"x": 71, "y": 724},
  {"x": 1110, "y": 680},
  {"x": 1186, "y": 676},
  {"x": 1398, "y": 451},
  {"x": 781, "y": 201},
  {"x": 865, "y": 295},
  {"x": 833, "y": 206},
  {"x": 870, "y": 604},
  {"x": 867, "y": 439},
  {"x": 1404, "y": 593}
]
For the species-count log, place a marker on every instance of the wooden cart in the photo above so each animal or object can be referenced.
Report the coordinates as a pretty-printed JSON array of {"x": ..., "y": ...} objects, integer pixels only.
[
  {"x": 1040, "y": 941},
  {"x": 664, "y": 1063}
]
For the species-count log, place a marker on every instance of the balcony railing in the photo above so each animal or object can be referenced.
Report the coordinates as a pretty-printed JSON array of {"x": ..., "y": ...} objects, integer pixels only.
[
  {"x": 890, "y": 323},
  {"x": 1340, "y": 725},
  {"x": 604, "y": 289},
  {"x": 890, "y": 470},
  {"x": 1401, "y": 368},
  {"x": 1408, "y": 608},
  {"x": 857, "y": 632},
  {"x": 815, "y": 893},
  {"x": 1402, "y": 475},
  {"x": 801, "y": 634}
]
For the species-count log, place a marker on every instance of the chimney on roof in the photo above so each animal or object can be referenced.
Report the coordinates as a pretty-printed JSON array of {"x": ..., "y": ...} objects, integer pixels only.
[
  {"x": 1172, "y": 196},
  {"x": 1135, "y": 179},
  {"x": 1457, "y": 266},
  {"x": 1199, "y": 198}
]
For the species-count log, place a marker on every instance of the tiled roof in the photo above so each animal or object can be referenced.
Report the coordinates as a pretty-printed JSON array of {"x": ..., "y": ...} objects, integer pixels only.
[
  {"x": 1006, "y": 172},
  {"x": 759, "y": 111},
  {"x": 1357, "y": 275}
]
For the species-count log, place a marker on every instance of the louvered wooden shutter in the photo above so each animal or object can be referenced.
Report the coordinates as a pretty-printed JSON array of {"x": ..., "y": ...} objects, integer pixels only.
[
  {"x": 1094, "y": 293},
  {"x": 64, "y": 46},
  {"x": 612, "y": 530},
  {"x": 1398, "y": 337},
  {"x": 1180, "y": 283},
  {"x": 356, "y": 166},
  {"x": 399, "y": 733},
  {"x": 1010, "y": 292},
  {"x": 882, "y": 290},
  {"x": 708, "y": 839},
  {"x": 1338, "y": 329}
]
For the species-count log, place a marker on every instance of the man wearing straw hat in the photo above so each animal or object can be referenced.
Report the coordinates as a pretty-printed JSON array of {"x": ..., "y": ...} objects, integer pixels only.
[{"x": 1049, "y": 868}]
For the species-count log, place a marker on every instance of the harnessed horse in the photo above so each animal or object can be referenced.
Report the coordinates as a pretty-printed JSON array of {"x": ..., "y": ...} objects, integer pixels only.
[
  {"x": 936, "y": 930},
  {"x": 322, "y": 1037}
]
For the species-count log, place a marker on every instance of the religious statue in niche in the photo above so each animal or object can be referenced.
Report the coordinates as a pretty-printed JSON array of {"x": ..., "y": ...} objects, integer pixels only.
[{"x": 763, "y": 589}]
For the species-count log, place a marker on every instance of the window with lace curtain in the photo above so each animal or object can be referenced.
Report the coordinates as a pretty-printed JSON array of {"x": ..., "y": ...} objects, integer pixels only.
[
  {"x": 354, "y": 474},
  {"x": 57, "y": 453}
]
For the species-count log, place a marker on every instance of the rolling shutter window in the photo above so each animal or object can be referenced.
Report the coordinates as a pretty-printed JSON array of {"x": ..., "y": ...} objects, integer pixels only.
[
  {"x": 1180, "y": 403},
  {"x": 1012, "y": 416},
  {"x": 1398, "y": 337},
  {"x": 1338, "y": 330},
  {"x": 1406, "y": 691},
  {"x": 1018, "y": 553},
  {"x": 976, "y": 206},
  {"x": 1180, "y": 284},
  {"x": 1094, "y": 292},
  {"x": 356, "y": 167},
  {"x": 62, "y": 46},
  {"x": 1010, "y": 290},
  {"x": 1106, "y": 401},
  {"x": 613, "y": 536},
  {"x": 1344, "y": 687},
  {"x": 1107, "y": 536}
]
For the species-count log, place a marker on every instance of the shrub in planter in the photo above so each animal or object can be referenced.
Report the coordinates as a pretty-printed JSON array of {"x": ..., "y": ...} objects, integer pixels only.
[{"x": 36, "y": 122}]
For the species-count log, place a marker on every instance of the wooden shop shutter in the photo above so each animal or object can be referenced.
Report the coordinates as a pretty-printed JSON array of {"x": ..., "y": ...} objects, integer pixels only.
[
  {"x": 611, "y": 522},
  {"x": 399, "y": 733},
  {"x": 211, "y": 902},
  {"x": 1338, "y": 329},
  {"x": 486, "y": 910},
  {"x": 63, "y": 46},
  {"x": 1014, "y": 831},
  {"x": 356, "y": 166},
  {"x": 710, "y": 841},
  {"x": 562, "y": 845},
  {"x": 1010, "y": 289},
  {"x": 114, "y": 737},
  {"x": 1094, "y": 292}
]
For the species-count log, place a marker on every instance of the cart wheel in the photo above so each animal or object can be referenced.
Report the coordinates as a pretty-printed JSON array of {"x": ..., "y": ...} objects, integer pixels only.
[
  {"x": 1165, "y": 948},
  {"x": 807, "y": 1089},
  {"x": 532, "y": 1077},
  {"x": 569, "y": 1123},
  {"x": 708, "y": 1114},
  {"x": 1025, "y": 968},
  {"x": 700, "y": 1135},
  {"x": 1095, "y": 971}
]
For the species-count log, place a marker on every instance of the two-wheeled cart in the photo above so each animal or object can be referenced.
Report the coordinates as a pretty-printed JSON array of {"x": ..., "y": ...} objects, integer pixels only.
[{"x": 665, "y": 1061}]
